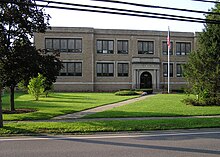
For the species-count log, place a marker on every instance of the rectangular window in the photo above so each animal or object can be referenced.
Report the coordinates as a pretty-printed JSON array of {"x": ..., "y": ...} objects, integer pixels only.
[
  {"x": 165, "y": 48},
  {"x": 165, "y": 69},
  {"x": 49, "y": 45},
  {"x": 71, "y": 69},
  {"x": 105, "y": 69},
  {"x": 183, "y": 48},
  {"x": 145, "y": 47},
  {"x": 78, "y": 46},
  {"x": 56, "y": 44},
  {"x": 179, "y": 70},
  {"x": 122, "y": 46},
  {"x": 63, "y": 45},
  {"x": 105, "y": 46},
  {"x": 123, "y": 69}
]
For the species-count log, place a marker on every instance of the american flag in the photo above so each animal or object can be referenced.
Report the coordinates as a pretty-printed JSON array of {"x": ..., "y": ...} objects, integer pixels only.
[{"x": 168, "y": 39}]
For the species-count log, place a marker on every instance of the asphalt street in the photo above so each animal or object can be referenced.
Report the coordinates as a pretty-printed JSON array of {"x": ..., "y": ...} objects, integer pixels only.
[{"x": 179, "y": 143}]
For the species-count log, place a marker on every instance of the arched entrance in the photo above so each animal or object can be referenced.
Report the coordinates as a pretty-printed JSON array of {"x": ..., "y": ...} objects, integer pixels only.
[{"x": 146, "y": 80}]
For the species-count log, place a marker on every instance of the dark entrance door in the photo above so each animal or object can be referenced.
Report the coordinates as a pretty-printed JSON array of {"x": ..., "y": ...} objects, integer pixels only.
[{"x": 146, "y": 80}]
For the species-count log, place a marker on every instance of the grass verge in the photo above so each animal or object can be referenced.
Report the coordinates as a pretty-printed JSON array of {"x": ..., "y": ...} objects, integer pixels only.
[{"x": 40, "y": 128}]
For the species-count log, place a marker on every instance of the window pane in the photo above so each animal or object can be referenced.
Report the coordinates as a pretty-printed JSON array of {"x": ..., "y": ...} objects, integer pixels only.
[
  {"x": 125, "y": 46},
  {"x": 105, "y": 68},
  {"x": 63, "y": 71},
  {"x": 120, "y": 68},
  {"x": 151, "y": 47},
  {"x": 49, "y": 44},
  {"x": 78, "y": 45},
  {"x": 78, "y": 69},
  {"x": 110, "y": 46},
  {"x": 71, "y": 69},
  {"x": 99, "y": 46},
  {"x": 178, "y": 48},
  {"x": 120, "y": 46},
  {"x": 165, "y": 69},
  {"x": 56, "y": 44},
  {"x": 105, "y": 46},
  {"x": 171, "y": 48},
  {"x": 63, "y": 46},
  {"x": 140, "y": 51},
  {"x": 188, "y": 47},
  {"x": 126, "y": 68},
  {"x": 183, "y": 48},
  {"x": 179, "y": 70},
  {"x": 71, "y": 44},
  {"x": 99, "y": 68},
  {"x": 145, "y": 47},
  {"x": 171, "y": 70},
  {"x": 111, "y": 69},
  {"x": 164, "y": 48}
]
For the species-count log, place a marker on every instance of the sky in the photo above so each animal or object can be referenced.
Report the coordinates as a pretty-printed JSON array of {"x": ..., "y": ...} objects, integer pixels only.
[{"x": 66, "y": 18}]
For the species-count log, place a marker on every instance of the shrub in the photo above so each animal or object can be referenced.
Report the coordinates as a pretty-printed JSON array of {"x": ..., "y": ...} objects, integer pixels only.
[
  {"x": 35, "y": 86},
  {"x": 149, "y": 91},
  {"x": 126, "y": 93},
  {"x": 212, "y": 101}
]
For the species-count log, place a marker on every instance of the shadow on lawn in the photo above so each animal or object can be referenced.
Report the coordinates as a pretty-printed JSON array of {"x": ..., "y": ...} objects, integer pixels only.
[{"x": 123, "y": 114}]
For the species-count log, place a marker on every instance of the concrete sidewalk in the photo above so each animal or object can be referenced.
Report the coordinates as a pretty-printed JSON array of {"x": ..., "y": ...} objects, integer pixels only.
[{"x": 81, "y": 114}]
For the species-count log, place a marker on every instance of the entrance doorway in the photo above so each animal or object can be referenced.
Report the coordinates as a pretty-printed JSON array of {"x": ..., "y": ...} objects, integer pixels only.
[{"x": 146, "y": 80}]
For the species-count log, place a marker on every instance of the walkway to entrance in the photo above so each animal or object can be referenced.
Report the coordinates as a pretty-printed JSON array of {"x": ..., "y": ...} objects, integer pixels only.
[{"x": 99, "y": 109}]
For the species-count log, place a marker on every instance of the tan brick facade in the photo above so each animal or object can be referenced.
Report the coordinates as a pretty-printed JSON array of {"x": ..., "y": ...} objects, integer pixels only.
[{"x": 109, "y": 70}]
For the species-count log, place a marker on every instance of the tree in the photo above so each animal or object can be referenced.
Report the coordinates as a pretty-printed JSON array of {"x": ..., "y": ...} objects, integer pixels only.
[
  {"x": 19, "y": 20},
  {"x": 202, "y": 70},
  {"x": 1, "y": 118},
  {"x": 36, "y": 86},
  {"x": 50, "y": 66}
]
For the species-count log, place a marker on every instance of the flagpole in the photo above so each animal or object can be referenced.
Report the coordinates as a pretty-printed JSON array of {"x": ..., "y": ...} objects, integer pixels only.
[{"x": 168, "y": 61}]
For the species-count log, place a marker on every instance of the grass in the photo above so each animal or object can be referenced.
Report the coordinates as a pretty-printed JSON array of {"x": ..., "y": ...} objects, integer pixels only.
[
  {"x": 158, "y": 106},
  {"x": 57, "y": 104},
  {"x": 41, "y": 128}
]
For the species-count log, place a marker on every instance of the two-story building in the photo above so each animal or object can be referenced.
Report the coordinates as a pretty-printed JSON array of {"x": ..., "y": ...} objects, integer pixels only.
[{"x": 111, "y": 59}]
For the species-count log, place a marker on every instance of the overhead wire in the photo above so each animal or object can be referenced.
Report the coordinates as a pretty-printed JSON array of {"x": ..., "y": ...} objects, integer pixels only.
[
  {"x": 206, "y": 1},
  {"x": 123, "y": 10},
  {"x": 154, "y": 6},
  {"x": 111, "y": 11}
]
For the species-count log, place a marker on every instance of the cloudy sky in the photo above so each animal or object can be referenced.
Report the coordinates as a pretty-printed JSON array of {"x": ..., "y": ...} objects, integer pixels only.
[{"x": 98, "y": 20}]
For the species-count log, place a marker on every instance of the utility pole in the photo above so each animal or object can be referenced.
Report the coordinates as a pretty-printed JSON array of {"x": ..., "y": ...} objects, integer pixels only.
[{"x": 168, "y": 60}]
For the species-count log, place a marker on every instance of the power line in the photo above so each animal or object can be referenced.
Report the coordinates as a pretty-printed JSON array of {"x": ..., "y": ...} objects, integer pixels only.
[
  {"x": 207, "y": 1},
  {"x": 123, "y": 10},
  {"x": 116, "y": 13},
  {"x": 154, "y": 6}
]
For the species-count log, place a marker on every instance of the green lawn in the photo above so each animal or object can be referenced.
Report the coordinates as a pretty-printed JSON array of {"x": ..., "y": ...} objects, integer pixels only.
[
  {"x": 157, "y": 106},
  {"x": 58, "y": 104},
  {"x": 42, "y": 128}
]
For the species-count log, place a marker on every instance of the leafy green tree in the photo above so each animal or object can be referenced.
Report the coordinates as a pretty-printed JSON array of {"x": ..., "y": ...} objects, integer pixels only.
[
  {"x": 36, "y": 86},
  {"x": 19, "y": 58},
  {"x": 50, "y": 66},
  {"x": 203, "y": 68}
]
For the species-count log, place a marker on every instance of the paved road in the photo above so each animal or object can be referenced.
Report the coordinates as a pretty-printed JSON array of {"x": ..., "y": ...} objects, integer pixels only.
[{"x": 182, "y": 143}]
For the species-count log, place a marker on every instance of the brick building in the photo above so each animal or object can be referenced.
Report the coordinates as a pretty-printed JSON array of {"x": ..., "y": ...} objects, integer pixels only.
[{"x": 111, "y": 59}]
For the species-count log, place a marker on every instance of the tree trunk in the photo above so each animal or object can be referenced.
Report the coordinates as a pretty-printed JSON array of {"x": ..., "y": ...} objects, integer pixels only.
[
  {"x": 1, "y": 118},
  {"x": 12, "y": 100}
]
